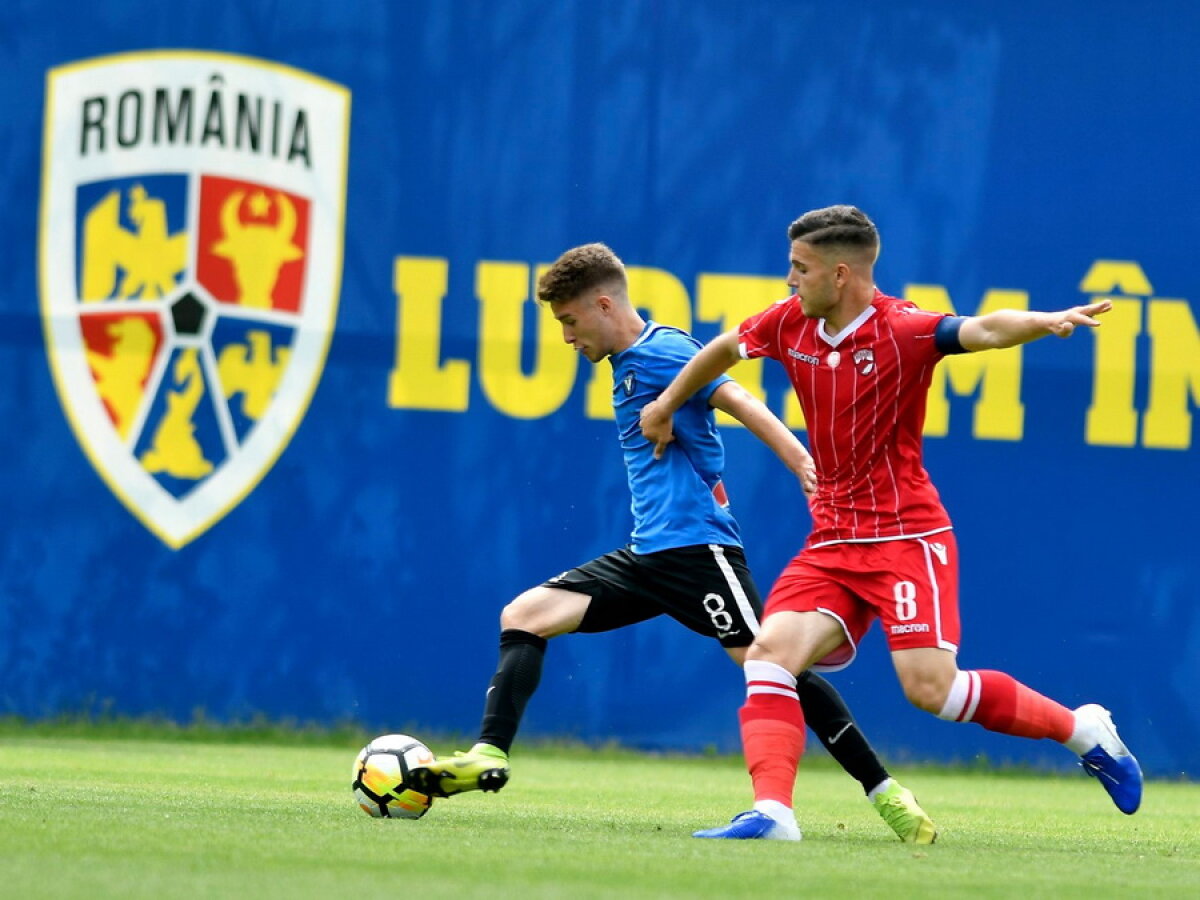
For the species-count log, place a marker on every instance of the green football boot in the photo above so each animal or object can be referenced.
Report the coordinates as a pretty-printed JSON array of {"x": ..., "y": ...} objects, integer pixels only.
[
  {"x": 899, "y": 808},
  {"x": 482, "y": 768}
]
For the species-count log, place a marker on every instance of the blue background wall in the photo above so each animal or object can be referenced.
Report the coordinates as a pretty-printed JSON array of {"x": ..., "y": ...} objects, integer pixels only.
[{"x": 362, "y": 577}]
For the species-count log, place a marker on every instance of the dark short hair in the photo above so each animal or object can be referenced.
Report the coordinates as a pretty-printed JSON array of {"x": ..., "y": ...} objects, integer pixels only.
[
  {"x": 846, "y": 226},
  {"x": 578, "y": 270}
]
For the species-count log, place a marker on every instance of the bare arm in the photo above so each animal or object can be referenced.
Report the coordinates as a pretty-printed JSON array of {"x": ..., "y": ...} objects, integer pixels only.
[
  {"x": 1010, "y": 327},
  {"x": 763, "y": 424},
  {"x": 713, "y": 360}
]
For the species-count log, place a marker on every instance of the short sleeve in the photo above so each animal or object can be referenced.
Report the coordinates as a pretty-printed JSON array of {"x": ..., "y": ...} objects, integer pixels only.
[
  {"x": 922, "y": 326},
  {"x": 672, "y": 350},
  {"x": 705, "y": 393},
  {"x": 946, "y": 335},
  {"x": 758, "y": 336}
]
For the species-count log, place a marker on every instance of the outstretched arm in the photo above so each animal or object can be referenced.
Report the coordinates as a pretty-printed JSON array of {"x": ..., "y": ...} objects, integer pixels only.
[
  {"x": 713, "y": 359},
  {"x": 1010, "y": 327},
  {"x": 734, "y": 399}
]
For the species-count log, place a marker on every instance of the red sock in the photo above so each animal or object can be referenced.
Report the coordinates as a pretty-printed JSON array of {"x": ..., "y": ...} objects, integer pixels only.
[
  {"x": 773, "y": 741},
  {"x": 1009, "y": 707}
]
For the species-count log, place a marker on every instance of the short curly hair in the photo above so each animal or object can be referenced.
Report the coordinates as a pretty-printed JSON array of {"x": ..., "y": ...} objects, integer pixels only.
[{"x": 578, "y": 270}]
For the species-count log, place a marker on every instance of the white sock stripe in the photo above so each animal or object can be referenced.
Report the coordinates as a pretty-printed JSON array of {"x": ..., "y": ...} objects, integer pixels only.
[
  {"x": 735, "y": 587},
  {"x": 973, "y": 694},
  {"x": 956, "y": 699},
  {"x": 752, "y": 689},
  {"x": 759, "y": 670},
  {"x": 963, "y": 698}
]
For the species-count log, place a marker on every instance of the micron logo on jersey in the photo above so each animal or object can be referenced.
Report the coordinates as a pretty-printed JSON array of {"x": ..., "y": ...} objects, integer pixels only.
[{"x": 190, "y": 262}]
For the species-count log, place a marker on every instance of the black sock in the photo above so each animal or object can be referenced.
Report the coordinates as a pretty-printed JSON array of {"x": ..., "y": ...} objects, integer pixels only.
[
  {"x": 826, "y": 713},
  {"x": 517, "y": 676}
]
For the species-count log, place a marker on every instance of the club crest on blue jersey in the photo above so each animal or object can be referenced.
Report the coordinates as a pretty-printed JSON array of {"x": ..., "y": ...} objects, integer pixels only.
[
  {"x": 190, "y": 255},
  {"x": 628, "y": 384}
]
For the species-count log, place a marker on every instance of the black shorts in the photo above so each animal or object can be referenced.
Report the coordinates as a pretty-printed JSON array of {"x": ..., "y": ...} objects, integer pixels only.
[{"x": 707, "y": 587}]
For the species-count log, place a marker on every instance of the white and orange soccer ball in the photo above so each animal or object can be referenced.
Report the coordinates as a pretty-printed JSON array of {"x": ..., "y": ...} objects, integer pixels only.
[{"x": 382, "y": 786}]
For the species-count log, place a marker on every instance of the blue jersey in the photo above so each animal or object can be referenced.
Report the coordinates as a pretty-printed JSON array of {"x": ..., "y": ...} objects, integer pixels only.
[{"x": 673, "y": 500}]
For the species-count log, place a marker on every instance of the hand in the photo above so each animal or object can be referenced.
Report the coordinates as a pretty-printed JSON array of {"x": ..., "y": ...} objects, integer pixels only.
[
  {"x": 1063, "y": 324},
  {"x": 656, "y": 427},
  {"x": 808, "y": 477}
]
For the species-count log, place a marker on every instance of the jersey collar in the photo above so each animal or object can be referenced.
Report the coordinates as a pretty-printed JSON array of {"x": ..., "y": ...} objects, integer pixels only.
[
  {"x": 849, "y": 329},
  {"x": 647, "y": 329}
]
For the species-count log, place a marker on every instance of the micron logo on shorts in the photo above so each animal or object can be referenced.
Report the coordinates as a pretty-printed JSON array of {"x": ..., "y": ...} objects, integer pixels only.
[{"x": 190, "y": 262}]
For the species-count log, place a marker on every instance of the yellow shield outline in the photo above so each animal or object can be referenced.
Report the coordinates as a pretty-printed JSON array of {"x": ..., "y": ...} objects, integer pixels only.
[{"x": 177, "y": 521}]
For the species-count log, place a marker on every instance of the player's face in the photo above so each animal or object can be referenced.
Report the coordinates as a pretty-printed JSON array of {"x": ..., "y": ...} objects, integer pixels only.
[
  {"x": 586, "y": 325},
  {"x": 811, "y": 276}
]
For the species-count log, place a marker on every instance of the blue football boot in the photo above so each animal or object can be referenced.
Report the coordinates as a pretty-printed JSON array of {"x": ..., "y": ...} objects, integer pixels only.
[
  {"x": 1111, "y": 763},
  {"x": 753, "y": 825}
]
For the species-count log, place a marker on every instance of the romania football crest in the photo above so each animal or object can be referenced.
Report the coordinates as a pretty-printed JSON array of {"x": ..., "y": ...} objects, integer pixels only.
[{"x": 190, "y": 263}]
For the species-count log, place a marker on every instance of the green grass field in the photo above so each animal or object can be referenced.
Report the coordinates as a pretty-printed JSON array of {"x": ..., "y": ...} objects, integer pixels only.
[{"x": 88, "y": 817}]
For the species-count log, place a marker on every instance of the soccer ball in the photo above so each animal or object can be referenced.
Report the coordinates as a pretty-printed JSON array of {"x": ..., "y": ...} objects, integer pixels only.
[{"x": 381, "y": 782}]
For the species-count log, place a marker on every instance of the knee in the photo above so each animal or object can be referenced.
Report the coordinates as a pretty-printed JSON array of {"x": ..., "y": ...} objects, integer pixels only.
[
  {"x": 520, "y": 614},
  {"x": 764, "y": 649},
  {"x": 927, "y": 689},
  {"x": 545, "y": 612},
  {"x": 795, "y": 641}
]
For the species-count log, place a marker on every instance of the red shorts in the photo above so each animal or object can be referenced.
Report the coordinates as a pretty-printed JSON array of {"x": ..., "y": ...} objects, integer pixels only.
[{"x": 910, "y": 585}]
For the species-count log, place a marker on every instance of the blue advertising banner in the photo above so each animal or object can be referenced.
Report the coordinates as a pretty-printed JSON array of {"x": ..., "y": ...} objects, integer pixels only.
[{"x": 287, "y": 428}]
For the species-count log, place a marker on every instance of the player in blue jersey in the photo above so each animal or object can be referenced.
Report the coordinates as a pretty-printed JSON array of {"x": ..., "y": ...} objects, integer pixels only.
[{"x": 684, "y": 558}]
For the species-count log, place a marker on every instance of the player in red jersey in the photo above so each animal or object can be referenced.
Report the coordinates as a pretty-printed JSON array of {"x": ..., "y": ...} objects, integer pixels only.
[{"x": 881, "y": 545}]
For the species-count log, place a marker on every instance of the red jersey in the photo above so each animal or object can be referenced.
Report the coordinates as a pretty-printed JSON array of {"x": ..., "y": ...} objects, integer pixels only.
[{"x": 863, "y": 396}]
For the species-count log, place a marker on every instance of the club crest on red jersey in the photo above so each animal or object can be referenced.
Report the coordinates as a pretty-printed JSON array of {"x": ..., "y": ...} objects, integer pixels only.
[
  {"x": 864, "y": 361},
  {"x": 190, "y": 258}
]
